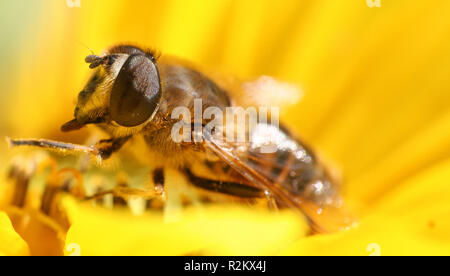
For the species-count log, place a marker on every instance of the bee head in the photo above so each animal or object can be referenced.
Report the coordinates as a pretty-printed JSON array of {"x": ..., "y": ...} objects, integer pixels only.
[{"x": 124, "y": 90}]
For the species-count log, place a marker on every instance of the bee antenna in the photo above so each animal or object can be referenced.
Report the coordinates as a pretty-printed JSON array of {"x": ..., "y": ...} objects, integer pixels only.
[{"x": 90, "y": 50}]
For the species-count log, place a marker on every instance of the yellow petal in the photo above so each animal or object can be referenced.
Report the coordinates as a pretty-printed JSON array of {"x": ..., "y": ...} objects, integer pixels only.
[
  {"x": 210, "y": 231},
  {"x": 412, "y": 220},
  {"x": 375, "y": 87},
  {"x": 10, "y": 242},
  {"x": 43, "y": 235},
  {"x": 423, "y": 200},
  {"x": 413, "y": 155},
  {"x": 382, "y": 234}
]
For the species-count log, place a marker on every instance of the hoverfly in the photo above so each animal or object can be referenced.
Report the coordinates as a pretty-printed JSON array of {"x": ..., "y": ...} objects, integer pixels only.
[{"x": 133, "y": 92}]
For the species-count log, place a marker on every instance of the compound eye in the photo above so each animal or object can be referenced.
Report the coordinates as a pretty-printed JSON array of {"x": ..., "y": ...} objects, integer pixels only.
[{"x": 136, "y": 91}]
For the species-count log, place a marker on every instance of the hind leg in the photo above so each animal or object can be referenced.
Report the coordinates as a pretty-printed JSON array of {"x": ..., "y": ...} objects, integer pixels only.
[{"x": 231, "y": 188}]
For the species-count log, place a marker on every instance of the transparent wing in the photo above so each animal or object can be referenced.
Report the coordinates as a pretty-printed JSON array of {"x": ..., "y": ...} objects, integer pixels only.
[{"x": 289, "y": 171}]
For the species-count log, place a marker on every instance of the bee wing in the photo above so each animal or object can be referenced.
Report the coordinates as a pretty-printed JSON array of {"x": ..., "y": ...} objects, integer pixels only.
[
  {"x": 261, "y": 91},
  {"x": 248, "y": 92},
  {"x": 265, "y": 89},
  {"x": 287, "y": 174}
]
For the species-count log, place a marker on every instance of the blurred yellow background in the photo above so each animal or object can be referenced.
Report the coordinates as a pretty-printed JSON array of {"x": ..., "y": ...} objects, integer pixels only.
[{"x": 375, "y": 80}]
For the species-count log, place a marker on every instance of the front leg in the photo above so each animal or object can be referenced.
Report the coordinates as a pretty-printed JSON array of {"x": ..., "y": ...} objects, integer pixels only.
[
  {"x": 102, "y": 150},
  {"x": 108, "y": 146}
]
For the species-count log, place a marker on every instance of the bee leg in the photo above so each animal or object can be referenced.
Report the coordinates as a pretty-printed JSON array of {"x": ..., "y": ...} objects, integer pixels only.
[
  {"x": 107, "y": 147},
  {"x": 225, "y": 187},
  {"x": 124, "y": 192},
  {"x": 98, "y": 195},
  {"x": 271, "y": 201},
  {"x": 157, "y": 202},
  {"x": 102, "y": 149},
  {"x": 158, "y": 180}
]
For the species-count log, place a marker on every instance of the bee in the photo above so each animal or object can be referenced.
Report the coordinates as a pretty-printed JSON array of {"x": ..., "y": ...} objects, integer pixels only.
[{"x": 133, "y": 91}]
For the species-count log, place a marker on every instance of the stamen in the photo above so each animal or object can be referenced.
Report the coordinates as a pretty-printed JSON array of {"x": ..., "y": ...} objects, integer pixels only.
[
  {"x": 155, "y": 204},
  {"x": 48, "y": 197},
  {"x": 76, "y": 190},
  {"x": 119, "y": 199},
  {"x": 119, "y": 202},
  {"x": 57, "y": 184},
  {"x": 21, "y": 172},
  {"x": 20, "y": 189}
]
